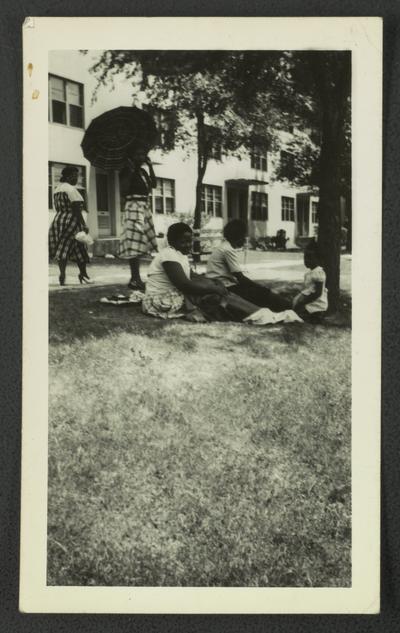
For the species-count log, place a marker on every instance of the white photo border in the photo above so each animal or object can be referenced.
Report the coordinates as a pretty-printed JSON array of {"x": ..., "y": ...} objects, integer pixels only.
[{"x": 363, "y": 37}]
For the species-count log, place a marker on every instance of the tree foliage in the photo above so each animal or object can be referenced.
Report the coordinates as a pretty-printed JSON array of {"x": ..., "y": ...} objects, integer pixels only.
[
  {"x": 314, "y": 89},
  {"x": 238, "y": 99},
  {"x": 210, "y": 92}
]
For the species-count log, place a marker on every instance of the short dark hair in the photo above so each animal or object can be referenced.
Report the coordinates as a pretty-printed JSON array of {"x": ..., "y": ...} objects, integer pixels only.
[
  {"x": 312, "y": 248},
  {"x": 175, "y": 231},
  {"x": 68, "y": 171},
  {"x": 235, "y": 230}
]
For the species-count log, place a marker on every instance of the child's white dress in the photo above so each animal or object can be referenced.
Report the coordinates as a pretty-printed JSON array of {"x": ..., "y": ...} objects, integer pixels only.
[{"x": 310, "y": 279}]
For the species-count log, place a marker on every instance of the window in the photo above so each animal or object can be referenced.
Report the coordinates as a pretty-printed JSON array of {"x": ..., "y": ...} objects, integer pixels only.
[
  {"x": 211, "y": 200},
  {"x": 259, "y": 206},
  {"x": 65, "y": 102},
  {"x": 287, "y": 209},
  {"x": 216, "y": 151},
  {"x": 163, "y": 196},
  {"x": 259, "y": 159},
  {"x": 55, "y": 170},
  {"x": 314, "y": 212},
  {"x": 165, "y": 121},
  {"x": 214, "y": 142},
  {"x": 287, "y": 165}
]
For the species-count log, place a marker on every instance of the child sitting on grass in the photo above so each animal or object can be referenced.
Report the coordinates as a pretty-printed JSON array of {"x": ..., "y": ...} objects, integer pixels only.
[
  {"x": 312, "y": 302},
  {"x": 223, "y": 265},
  {"x": 173, "y": 290}
]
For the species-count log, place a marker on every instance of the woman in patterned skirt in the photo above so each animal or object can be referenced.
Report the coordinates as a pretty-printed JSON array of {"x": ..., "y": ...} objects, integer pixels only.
[
  {"x": 138, "y": 235},
  {"x": 68, "y": 221}
]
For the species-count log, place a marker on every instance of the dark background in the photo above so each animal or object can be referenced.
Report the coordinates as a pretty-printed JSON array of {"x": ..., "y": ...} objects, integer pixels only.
[{"x": 12, "y": 14}]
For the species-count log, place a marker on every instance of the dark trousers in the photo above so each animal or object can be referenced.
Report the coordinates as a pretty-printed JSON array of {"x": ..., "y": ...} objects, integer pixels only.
[{"x": 261, "y": 296}]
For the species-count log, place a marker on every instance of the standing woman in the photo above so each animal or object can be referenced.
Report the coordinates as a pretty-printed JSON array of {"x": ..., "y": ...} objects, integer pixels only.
[
  {"x": 138, "y": 235},
  {"x": 68, "y": 221}
]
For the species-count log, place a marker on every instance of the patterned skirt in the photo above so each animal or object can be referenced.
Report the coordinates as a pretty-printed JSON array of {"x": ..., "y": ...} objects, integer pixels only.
[
  {"x": 138, "y": 235},
  {"x": 169, "y": 305},
  {"x": 175, "y": 305},
  {"x": 62, "y": 243}
]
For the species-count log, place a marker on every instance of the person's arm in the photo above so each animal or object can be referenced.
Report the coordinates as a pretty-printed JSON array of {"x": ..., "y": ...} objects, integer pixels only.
[
  {"x": 77, "y": 211},
  {"x": 304, "y": 299},
  {"x": 216, "y": 282},
  {"x": 153, "y": 179},
  {"x": 232, "y": 263},
  {"x": 196, "y": 286},
  {"x": 245, "y": 281}
]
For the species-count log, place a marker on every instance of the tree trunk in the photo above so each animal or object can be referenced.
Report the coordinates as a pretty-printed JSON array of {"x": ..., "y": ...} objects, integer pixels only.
[
  {"x": 201, "y": 169},
  {"x": 332, "y": 79},
  {"x": 349, "y": 213},
  {"x": 329, "y": 221}
]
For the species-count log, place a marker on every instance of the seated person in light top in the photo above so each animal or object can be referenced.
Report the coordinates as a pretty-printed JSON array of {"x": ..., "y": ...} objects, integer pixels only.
[
  {"x": 223, "y": 265},
  {"x": 174, "y": 290},
  {"x": 312, "y": 302}
]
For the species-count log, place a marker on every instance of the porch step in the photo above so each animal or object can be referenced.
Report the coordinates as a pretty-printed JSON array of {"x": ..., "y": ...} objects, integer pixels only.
[{"x": 105, "y": 246}]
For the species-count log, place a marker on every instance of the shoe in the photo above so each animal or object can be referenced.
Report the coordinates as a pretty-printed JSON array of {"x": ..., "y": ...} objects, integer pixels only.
[
  {"x": 136, "y": 285},
  {"x": 61, "y": 279},
  {"x": 84, "y": 279}
]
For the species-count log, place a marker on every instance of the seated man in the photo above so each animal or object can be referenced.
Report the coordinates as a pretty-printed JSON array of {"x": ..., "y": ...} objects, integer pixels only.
[
  {"x": 173, "y": 290},
  {"x": 223, "y": 266}
]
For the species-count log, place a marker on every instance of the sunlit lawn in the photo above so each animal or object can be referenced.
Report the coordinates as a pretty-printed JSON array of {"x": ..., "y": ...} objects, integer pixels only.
[{"x": 180, "y": 454}]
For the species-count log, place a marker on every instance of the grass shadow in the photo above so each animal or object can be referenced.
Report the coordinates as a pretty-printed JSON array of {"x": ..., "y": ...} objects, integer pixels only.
[{"x": 77, "y": 314}]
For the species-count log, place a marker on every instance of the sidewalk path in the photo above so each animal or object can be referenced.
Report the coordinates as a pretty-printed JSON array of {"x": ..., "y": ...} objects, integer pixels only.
[{"x": 257, "y": 265}]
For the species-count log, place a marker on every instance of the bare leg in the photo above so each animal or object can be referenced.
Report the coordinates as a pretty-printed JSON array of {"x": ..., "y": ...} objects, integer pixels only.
[
  {"x": 240, "y": 306},
  {"x": 62, "y": 266},
  {"x": 82, "y": 270},
  {"x": 136, "y": 280},
  {"x": 261, "y": 296}
]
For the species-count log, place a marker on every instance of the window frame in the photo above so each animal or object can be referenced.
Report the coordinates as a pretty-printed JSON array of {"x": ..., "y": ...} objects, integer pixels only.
[
  {"x": 289, "y": 157},
  {"x": 213, "y": 190},
  {"x": 163, "y": 197},
  {"x": 256, "y": 209},
  {"x": 215, "y": 147},
  {"x": 258, "y": 155},
  {"x": 68, "y": 103},
  {"x": 314, "y": 212},
  {"x": 290, "y": 211},
  {"x": 52, "y": 185}
]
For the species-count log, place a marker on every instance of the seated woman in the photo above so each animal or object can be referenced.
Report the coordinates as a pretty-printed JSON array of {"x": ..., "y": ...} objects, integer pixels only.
[
  {"x": 173, "y": 290},
  {"x": 223, "y": 265}
]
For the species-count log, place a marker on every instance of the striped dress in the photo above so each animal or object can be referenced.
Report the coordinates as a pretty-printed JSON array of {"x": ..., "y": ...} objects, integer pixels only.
[{"x": 62, "y": 243}]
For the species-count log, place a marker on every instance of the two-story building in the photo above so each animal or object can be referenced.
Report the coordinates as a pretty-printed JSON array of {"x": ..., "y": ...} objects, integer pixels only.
[{"x": 233, "y": 188}]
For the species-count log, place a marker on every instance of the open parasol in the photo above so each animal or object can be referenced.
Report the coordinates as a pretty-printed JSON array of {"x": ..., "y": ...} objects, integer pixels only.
[{"x": 117, "y": 134}]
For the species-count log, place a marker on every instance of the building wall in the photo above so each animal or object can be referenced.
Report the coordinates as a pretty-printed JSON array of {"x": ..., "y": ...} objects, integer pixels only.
[{"x": 64, "y": 147}]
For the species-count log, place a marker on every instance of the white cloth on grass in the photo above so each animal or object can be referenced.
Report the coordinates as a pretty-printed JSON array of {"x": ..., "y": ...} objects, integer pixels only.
[
  {"x": 265, "y": 316},
  {"x": 119, "y": 300}
]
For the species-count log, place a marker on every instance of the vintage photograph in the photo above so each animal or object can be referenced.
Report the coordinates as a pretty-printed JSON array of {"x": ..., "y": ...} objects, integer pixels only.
[
  {"x": 199, "y": 318},
  {"x": 201, "y": 315}
]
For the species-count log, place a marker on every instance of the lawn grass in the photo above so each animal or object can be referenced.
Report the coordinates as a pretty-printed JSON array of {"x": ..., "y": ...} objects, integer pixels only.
[{"x": 196, "y": 455}]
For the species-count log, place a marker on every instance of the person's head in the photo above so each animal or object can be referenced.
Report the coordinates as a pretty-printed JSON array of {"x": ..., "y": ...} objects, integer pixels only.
[
  {"x": 235, "y": 232},
  {"x": 70, "y": 174},
  {"x": 312, "y": 258},
  {"x": 137, "y": 158},
  {"x": 179, "y": 236}
]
